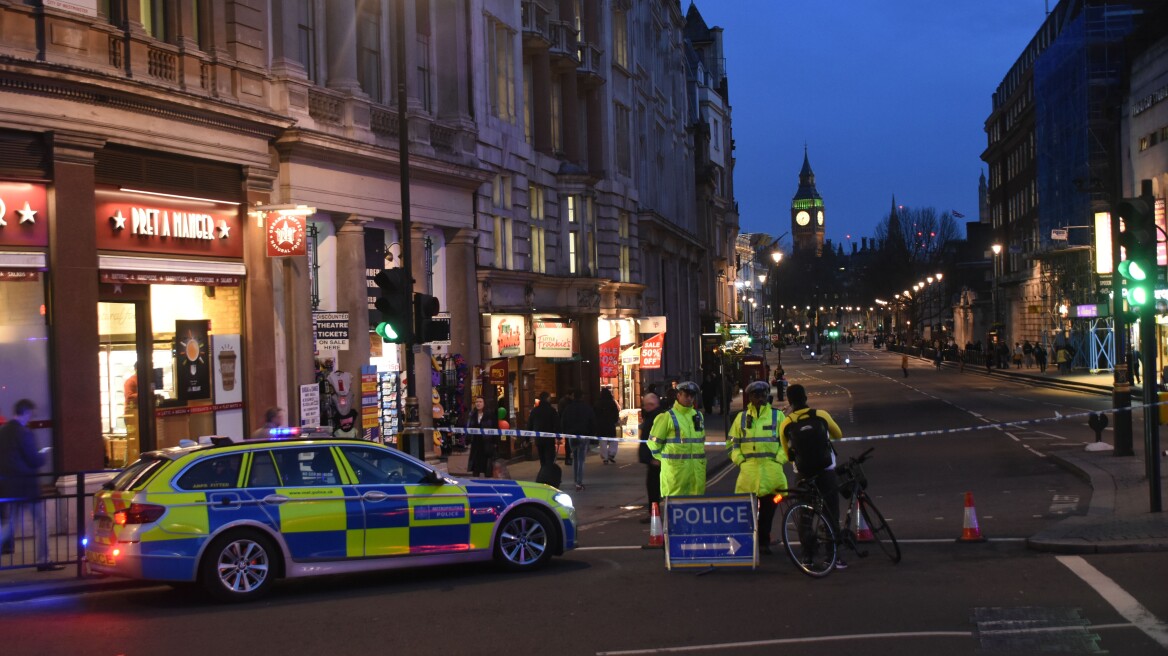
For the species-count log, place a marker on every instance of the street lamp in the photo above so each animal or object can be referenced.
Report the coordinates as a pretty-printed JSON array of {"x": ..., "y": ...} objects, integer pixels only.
[{"x": 997, "y": 249}]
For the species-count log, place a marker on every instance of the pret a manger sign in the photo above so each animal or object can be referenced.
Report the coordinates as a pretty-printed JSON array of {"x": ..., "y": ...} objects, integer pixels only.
[{"x": 130, "y": 221}]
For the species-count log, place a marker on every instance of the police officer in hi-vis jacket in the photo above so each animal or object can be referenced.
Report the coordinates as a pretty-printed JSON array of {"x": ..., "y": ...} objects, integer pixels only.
[{"x": 678, "y": 440}]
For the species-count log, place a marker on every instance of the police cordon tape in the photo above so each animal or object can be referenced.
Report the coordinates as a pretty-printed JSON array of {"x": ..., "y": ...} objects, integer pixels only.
[{"x": 512, "y": 432}]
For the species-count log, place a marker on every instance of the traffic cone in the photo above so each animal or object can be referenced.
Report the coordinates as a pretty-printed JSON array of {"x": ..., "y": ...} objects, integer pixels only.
[
  {"x": 656, "y": 532},
  {"x": 863, "y": 531},
  {"x": 970, "y": 531}
]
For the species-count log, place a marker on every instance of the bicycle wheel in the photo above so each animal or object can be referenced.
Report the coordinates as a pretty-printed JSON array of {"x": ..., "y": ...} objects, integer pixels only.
[
  {"x": 881, "y": 531},
  {"x": 809, "y": 540}
]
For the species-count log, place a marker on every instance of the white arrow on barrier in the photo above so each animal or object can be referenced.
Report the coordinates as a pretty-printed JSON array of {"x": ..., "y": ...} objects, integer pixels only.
[{"x": 731, "y": 544}]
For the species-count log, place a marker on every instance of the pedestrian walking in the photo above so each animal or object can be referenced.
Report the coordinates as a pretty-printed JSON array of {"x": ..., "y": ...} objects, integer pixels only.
[
  {"x": 20, "y": 462},
  {"x": 806, "y": 435},
  {"x": 650, "y": 408},
  {"x": 753, "y": 442},
  {"x": 544, "y": 419},
  {"x": 1017, "y": 355},
  {"x": 482, "y": 447},
  {"x": 1134, "y": 366},
  {"x": 1040, "y": 357},
  {"x": 1063, "y": 359},
  {"x": 677, "y": 439},
  {"x": 903, "y": 366},
  {"x": 1028, "y": 354},
  {"x": 607, "y": 426},
  {"x": 578, "y": 419}
]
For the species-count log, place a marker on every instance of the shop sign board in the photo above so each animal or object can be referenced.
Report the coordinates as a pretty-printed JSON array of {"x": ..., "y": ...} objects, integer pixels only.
[
  {"x": 191, "y": 359},
  {"x": 651, "y": 325},
  {"x": 710, "y": 531},
  {"x": 507, "y": 336},
  {"x": 228, "y": 379},
  {"x": 24, "y": 214},
  {"x": 610, "y": 358},
  {"x": 168, "y": 278},
  {"x": 631, "y": 356},
  {"x": 497, "y": 373},
  {"x": 145, "y": 223},
  {"x": 310, "y": 405},
  {"x": 553, "y": 342},
  {"x": 651, "y": 351},
  {"x": 285, "y": 235},
  {"x": 331, "y": 330}
]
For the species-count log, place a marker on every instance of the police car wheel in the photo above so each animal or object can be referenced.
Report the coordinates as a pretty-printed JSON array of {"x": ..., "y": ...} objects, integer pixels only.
[
  {"x": 524, "y": 540},
  {"x": 238, "y": 566}
]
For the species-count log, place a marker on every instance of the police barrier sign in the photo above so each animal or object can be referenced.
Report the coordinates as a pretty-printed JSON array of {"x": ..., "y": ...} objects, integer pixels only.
[{"x": 711, "y": 531}]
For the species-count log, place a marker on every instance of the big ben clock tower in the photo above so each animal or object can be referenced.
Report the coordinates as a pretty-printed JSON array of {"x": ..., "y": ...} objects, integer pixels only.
[{"x": 807, "y": 212}]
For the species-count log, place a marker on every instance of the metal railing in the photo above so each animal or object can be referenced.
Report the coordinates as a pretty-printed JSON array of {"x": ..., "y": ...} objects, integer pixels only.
[{"x": 59, "y": 515}]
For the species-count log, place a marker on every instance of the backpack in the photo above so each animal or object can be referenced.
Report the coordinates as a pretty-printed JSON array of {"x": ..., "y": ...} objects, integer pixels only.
[{"x": 809, "y": 444}]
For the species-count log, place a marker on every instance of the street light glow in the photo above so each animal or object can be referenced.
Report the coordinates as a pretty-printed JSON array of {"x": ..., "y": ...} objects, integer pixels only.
[{"x": 997, "y": 249}]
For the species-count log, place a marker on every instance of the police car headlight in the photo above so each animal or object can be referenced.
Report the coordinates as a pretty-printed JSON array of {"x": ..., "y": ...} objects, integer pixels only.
[{"x": 564, "y": 500}]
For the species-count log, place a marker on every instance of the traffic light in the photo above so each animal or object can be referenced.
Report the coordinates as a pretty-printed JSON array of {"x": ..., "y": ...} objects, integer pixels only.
[
  {"x": 426, "y": 327},
  {"x": 1138, "y": 239},
  {"x": 394, "y": 304}
]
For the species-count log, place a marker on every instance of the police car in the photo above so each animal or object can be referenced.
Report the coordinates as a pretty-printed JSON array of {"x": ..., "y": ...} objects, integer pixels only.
[{"x": 235, "y": 517}]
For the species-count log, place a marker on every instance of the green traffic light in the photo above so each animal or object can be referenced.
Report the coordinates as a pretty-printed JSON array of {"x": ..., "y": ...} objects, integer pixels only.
[
  {"x": 1138, "y": 295},
  {"x": 386, "y": 332},
  {"x": 1132, "y": 270}
]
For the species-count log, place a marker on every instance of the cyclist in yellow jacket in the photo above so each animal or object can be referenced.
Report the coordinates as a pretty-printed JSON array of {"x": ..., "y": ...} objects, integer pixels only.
[
  {"x": 753, "y": 441},
  {"x": 678, "y": 440}
]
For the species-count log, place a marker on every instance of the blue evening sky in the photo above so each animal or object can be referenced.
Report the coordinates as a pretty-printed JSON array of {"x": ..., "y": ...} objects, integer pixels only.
[{"x": 890, "y": 98}]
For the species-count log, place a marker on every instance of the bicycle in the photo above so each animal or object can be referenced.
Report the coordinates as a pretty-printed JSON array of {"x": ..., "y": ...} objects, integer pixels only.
[
  {"x": 853, "y": 485},
  {"x": 807, "y": 531}
]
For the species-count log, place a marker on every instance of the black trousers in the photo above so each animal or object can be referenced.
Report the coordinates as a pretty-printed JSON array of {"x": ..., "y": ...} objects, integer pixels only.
[
  {"x": 653, "y": 483},
  {"x": 828, "y": 485},
  {"x": 766, "y": 517}
]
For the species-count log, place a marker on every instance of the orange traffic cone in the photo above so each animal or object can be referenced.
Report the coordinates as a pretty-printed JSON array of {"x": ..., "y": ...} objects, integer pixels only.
[
  {"x": 863, "y": 531},
  {"x": 970, "y": 531},
  {"x": 656, "y": 532}
]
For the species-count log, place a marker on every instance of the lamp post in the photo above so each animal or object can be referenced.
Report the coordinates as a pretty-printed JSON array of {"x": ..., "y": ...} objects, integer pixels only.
[{"x": 997, "y": 249}]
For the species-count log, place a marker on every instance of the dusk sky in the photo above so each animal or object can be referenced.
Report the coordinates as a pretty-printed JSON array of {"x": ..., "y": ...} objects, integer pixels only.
[{"x": 889, "y": 97}]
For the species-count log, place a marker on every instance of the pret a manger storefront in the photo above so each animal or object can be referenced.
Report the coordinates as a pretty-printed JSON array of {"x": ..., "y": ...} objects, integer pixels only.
[{"x": 170, "y": 315}]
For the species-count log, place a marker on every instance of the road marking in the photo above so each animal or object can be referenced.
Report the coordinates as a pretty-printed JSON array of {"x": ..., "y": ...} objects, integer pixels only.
[
  {"x": 1125, "y": 604},
  {"x": 789, "y": 641}
]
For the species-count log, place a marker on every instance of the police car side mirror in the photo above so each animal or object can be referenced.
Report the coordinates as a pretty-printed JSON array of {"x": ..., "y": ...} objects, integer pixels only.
[{"x": 433, "y": 477}]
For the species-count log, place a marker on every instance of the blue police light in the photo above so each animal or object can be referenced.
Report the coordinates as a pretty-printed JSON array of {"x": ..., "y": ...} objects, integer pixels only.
[{"x": 284, "y": 431}]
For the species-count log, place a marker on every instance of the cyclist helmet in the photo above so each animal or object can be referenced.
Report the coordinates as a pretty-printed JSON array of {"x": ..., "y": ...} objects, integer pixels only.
[
  {"x": 689, "y": 387},
  {"x": 758, "y": 387}
]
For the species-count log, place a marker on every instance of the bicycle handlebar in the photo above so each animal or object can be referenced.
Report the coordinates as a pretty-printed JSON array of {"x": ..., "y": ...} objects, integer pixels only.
[{"x": 864, "y": 456}]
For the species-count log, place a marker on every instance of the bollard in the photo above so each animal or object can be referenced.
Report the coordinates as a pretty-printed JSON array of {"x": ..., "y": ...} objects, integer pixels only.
[{"x": 1098, "y": 421}]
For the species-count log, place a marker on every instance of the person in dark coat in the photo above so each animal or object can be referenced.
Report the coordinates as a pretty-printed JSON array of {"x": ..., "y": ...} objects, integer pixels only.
[
  {"x": 482, "y": 447},
  {"x": 20, "y": 461},
  {"x": 544, "y": 418},
  {"x": 577, "y": 418},
  {"x": 709, "y": 393},
  {"x": 607, "y": 422},
  {"x": 650, "y": 408}
]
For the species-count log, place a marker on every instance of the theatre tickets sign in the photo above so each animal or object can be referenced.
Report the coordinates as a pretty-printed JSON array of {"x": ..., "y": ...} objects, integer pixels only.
[{"x": 132, "y": 221}]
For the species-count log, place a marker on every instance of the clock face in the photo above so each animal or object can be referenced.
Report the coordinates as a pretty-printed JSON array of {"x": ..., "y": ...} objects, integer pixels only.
[
  {"x": 819, "y": 217},
  {"x": 802, "y": 218}
]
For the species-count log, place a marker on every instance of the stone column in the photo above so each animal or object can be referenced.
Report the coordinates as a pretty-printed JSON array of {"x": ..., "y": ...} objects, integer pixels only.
[
  {"x": 422, "y": 367},
  {"x": 450, "y": 46},
  {"x": 352, "y": 295},
  {"x": 541, "y": 111},
  {"x": 261, "y": 369},
  {"x": 596, "y": 134},
  {"x": 341, "y": 46},
  {"x": 571, "y": 118},
  {"x": 461, "y": 294},
  {"x": 285, "y": 41},
  {"x": 72, "y": 306}
]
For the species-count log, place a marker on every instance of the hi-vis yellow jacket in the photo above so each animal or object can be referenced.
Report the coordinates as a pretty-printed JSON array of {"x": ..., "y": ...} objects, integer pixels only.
[
  {"x": 753, "y": 441},
  {"x": 678, "y": 440}
]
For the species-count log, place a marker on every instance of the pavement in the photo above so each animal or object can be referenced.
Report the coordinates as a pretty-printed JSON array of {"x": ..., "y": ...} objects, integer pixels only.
[{"x": 1117, "y": 520}]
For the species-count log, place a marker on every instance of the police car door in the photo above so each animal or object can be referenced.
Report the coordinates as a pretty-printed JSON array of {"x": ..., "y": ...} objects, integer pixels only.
[
  {"x": 405, "y": 512},
  {"x": 301, "y": 490}
]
